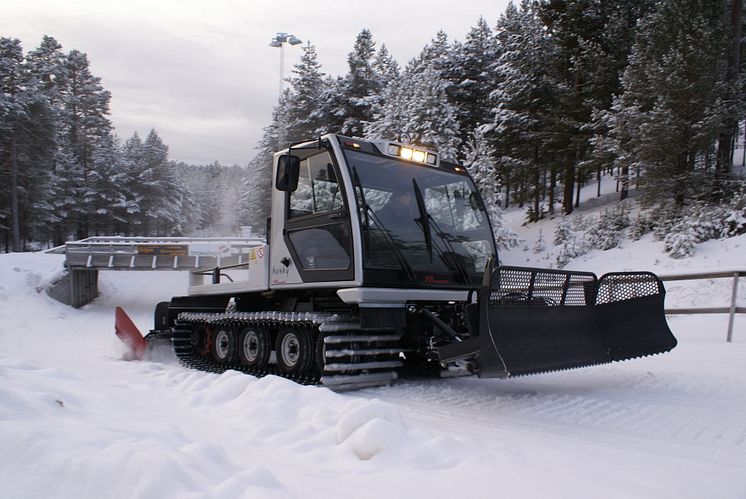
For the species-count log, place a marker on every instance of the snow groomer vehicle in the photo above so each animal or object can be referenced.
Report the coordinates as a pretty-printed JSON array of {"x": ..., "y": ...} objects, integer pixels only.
[{"x": 380, "y": 262}]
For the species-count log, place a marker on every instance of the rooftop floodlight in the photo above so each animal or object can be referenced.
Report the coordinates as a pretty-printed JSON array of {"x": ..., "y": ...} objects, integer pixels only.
[
  {"x": 293, "y": 40},
  {"x": 275, "y": 43}
]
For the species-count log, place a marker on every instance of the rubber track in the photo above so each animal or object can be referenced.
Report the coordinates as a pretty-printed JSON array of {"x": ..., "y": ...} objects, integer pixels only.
[{"x": 317, "y": 323}]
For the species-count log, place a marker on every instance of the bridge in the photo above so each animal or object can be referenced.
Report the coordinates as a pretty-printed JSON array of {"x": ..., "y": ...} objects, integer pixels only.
[{"x": 84, "y": 259}]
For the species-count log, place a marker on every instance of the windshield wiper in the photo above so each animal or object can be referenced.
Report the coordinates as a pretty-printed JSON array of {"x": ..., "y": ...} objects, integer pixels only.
[
  {"x": 369, "y": 214},
  {"x": 426, "y": 221}
]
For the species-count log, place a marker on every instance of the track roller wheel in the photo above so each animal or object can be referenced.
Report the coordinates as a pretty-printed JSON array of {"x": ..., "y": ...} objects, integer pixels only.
[
  {"x": 223, "y": 344},
  {"x": 201, "y": 339},
  {"x": 254, "y": 347},
  {"x": 295, "y": 351}
]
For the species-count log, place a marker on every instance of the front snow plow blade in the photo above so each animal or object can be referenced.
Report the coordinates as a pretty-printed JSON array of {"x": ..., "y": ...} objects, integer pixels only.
[{"x": 536, "y": 320}]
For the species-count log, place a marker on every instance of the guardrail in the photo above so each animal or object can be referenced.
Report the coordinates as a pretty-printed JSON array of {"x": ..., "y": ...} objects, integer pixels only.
[{"x": 732, "y": 310}]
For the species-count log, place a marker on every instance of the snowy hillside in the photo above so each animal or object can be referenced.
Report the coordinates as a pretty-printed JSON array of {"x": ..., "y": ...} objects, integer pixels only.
[{"x": 78, "y": 422}]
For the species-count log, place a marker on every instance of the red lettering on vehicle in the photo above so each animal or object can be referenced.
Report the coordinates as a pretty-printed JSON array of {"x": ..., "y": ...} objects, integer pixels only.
[{"x": 430, "y": 279}]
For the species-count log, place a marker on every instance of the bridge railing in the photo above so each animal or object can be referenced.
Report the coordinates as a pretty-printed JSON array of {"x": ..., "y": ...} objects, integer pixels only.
[
  {"x": 153, "y": 253},
  {"x": 731, "y": 310}
]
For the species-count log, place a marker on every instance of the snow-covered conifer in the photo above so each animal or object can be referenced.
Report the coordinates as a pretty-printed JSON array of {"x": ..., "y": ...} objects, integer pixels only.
[
  {"x": 304, "y": 113},
  {"x": 361, "y": 86},
  {"x": 522, "y": 130},
  {"x": 472, "y": 76},
  {"x": 670, "y": 111},
  {"x": 481, "y": 168}
]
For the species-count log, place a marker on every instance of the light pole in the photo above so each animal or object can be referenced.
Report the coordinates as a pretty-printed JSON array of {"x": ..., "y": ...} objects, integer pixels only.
[{"x": 279, "y": 41}]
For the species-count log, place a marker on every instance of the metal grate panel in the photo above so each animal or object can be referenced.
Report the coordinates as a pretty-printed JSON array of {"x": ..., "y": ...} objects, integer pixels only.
[
  {"x": 620, "y": 286},
  {"x": 542, "y": 287}
]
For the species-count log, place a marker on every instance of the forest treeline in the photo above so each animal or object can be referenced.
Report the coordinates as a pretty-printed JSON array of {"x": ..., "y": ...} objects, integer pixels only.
[
  {"x": 554, "y": 95},
  {"x": 66, "y": 175}
]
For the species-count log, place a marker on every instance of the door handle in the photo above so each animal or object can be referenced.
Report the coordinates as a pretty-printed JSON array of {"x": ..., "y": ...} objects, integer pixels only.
[{"x": 338, "y": 214}]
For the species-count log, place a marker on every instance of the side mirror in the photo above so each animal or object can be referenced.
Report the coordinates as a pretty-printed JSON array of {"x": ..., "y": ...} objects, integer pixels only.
[{"x": 288, "y": 171}]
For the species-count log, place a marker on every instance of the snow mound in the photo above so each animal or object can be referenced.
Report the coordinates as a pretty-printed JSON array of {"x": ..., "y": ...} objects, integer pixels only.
[
  {"x": 371, "y": 426},
  {"x": 375, "y": 436},
  {"x": 364, "y": 412}
]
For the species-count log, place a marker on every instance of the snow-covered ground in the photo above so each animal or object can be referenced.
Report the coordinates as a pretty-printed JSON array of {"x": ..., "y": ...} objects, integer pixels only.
[{"x": 78, "y": 422}]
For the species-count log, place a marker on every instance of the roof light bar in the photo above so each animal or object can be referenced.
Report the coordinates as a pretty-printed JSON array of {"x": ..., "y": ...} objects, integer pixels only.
[{"x": 407, "y": 151}]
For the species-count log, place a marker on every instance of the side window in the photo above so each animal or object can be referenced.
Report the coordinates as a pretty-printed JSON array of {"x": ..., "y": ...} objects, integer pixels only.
[
  {"x": 318, "y": 190},
  {"x": 326, "y": 194},
  {"x": 301, "y": 200}
]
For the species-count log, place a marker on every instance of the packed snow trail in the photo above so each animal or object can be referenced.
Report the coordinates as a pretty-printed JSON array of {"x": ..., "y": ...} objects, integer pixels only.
[{"x": 76, "y": 421}]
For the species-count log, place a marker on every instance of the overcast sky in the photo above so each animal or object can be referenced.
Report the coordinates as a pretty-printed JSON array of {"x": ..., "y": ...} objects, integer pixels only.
[{"x": 204, "y": 75}]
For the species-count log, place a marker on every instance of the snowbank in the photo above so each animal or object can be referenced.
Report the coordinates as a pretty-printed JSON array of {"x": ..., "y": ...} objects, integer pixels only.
[{"x": 77, "y": 421}]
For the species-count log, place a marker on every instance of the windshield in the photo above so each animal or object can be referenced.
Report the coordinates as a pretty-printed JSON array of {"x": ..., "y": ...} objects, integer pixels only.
[{"x": 429, "y": 223}]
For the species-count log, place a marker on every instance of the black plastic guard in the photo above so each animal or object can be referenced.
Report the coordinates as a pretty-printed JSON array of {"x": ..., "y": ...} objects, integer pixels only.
[
  {"x": 541, "y": 320},
  {"x": 630, "y": 308}
]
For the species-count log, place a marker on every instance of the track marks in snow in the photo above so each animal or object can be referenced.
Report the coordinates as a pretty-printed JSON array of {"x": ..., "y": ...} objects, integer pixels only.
[{"x": 678, "y": 408}]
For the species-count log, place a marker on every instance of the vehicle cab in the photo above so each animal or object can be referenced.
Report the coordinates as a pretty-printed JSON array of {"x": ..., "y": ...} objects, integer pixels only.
[{"x": 352, "y": 213}]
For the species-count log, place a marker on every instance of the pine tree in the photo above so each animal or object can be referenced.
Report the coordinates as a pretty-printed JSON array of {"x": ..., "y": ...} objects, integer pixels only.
[
  {"x": 14, "y": 103},
  {"x": 417, "y": 103},
  {"x": 385, "y": 67},
  {"x": 524, "y": 129},
  {"x": 46, "y": 66},
  {"x": 577, "y": 28},
  {"x": 479, "y": 163},
  {"x": 106, "y": 198},
  {"x": 611, "y": 59},
  {"x": 255, "y": 202},
  {"x": 733, "y": 100},
  {"x": 84, "y": 125},
  {"x": 332, "y": 105},
  {"x": 26, "y": 146},
  {"x": 304, "y": 107},
  {"x": 131, "y": 158},
  {"x": 672, "y": 108},
  {"x": 390, "y": 112},
  {"x": 162, "y": 192},
  {"x": 430, "y": 120},
  {"x": 361, "y": 86},
  {"x": 387, "y": 72},
  {"x": 472, "y": 78}
]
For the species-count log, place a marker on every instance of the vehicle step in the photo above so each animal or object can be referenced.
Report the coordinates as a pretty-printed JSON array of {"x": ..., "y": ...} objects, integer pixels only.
[
  {"x": 359, "y": 366},
  {"x": 339, "y": 382},
  {"x": 332, "y": 340},
  {"x": 351, "y": 352}
]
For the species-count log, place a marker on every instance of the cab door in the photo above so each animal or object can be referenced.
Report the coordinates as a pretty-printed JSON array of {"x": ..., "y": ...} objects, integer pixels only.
[{"x": 317, "y": 223}]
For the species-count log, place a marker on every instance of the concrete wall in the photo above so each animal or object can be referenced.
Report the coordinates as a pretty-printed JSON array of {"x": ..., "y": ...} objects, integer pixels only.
[{"x": 76, "y": 287}]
